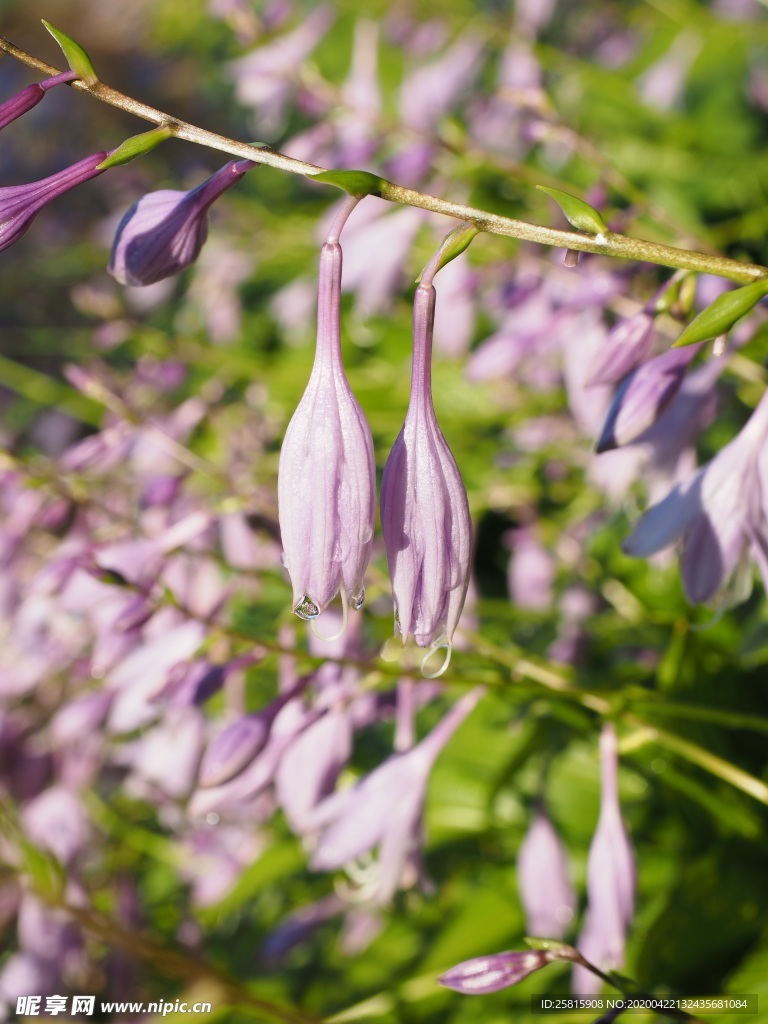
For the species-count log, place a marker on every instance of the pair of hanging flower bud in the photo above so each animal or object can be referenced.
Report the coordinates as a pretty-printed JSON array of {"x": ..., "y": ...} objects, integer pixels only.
[
  {"x": 327, "y": 480},
  {"x": 327, "y": 476}
]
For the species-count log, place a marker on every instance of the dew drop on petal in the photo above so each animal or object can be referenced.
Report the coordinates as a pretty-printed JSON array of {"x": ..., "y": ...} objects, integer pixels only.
[
  {"x": 357, "y": 602},
  {"x": 306, "y": 609}
]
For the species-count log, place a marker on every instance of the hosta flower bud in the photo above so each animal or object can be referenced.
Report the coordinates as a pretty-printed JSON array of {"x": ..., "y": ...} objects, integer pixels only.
[
  {"x": 644, "y": 396},
  {"x": 611, "y": 878},
  {"x": 19, "y": 204},
  {"x": 424, "y": 509},
  {"x": 486, "y": 974},
  {"x": 624, "y": 349},
  {"x": 163, "y": 233},
  {"x": 542, "y": 873},
  {"x": 327, "y": 479},
  {"x": 30, "y": 97}
]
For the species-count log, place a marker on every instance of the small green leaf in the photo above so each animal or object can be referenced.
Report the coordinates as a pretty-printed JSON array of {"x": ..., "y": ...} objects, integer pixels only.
[
  {"x": 357, "y": 183},
  {"x": 453, "y": 245},
  {"x": 137, "y": 145},
  {"x": 580, "y": 214},
  {"x": 77, "y": 58},
  {"x": 722, "y": 314},
  {"x": 45, "y": 872}
]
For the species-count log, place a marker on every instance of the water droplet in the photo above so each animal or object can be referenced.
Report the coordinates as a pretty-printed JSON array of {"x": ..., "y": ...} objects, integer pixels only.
[
  {"x": 357, "y": 602},
  {"x": 306, "y": 609}
]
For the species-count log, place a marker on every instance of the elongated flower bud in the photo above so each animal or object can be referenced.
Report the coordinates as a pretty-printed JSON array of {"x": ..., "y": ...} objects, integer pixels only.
[
  {"x": 644, "y": 396},
  {"x": 542, "y": 874},
  {"x": 163, "y": 233},
  {"x": 486, "y": 974},
  {"x": 424, "y": 509},
  {"x": 19, "y": 204},
  {"x": 30, "y": 97},
  {"x": 611, "y": 877},
  {"x": 327, "y": 479}
]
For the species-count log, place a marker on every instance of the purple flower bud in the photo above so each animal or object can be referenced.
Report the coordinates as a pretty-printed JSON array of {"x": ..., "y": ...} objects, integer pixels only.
[
  {"x": 30, "y": 97},
  {"x": 644, "y": 396},
  {"x": 239, "y": 743},
  {"x": 485, "y": 974},
  {"x": 424, "y": 509},
  {"x": 20, "y": 103},
  {"x": 623, "y": 350},
  {"x": 542, "y": 874},
  {"x": 327, "y": 477},
  {"x": 610, "y": 876},
  {"x": 163, "y": 233},
  {"x": 20, "y": 204},
  {"x": 233, "y": 749}
]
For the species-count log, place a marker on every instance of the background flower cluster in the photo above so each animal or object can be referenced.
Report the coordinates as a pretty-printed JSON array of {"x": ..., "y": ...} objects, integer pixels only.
[{"x": 179, "y": 761}]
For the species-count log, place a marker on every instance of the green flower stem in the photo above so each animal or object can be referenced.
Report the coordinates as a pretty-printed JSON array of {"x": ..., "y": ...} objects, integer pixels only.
[
  {"x": 523, "y": 667},
  {"x": 632, "y": 990},
  {"x": 607, "y": 244}
]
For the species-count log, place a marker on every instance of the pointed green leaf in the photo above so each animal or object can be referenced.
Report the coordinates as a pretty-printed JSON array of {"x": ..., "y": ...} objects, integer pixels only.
[
  {"x": 357, "y": 183},
  {"x": 45, "y": 872},
  {"x": 722, "y": 314},
  {"x": 580, "y": 214},
  {"x": 137, "y": 145},
  {"x": 453, "y": 245},
  {"x": 76, "y": 56}
]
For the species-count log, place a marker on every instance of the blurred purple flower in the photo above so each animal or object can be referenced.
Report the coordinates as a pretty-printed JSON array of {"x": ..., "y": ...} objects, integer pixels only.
[
  {"x": 264, "y": 79},
  {"x": 311, "y": 765},
  {"x": 455, "y": 313},
  {"x": 377, "y": 247},
  {"x": 235, "y": 747},
  {"x": 142, "y": 674},
  {"x": 542, "y": 876},
  {"x": 164, "y": 231},
  {"x": 626, "y": 346},
  {"x": 661, "y": 86},
  {"x": 424, "y": 510},
  {"x": 531, "y": 572},
  {"x": 610, "y": 878},
  {"x": 669, "y": 445},
  {"x": 716, "y": 512},
  {"x": 30, "y": 97},
  {"x": 385, "y": 809},
  {"x": 300, "y": 925},
  {"x": 167, "y": 756},
  {"x": 327, "y": 477},
  {"x": 432, "y": 90},
  {"x": 523, "y": 328},
  {"x": 485, "y": 974},
  {"x": 20, "y": 204},
  {"x": 644, "y": 396},
  {"x": 356, "y": 125}
]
